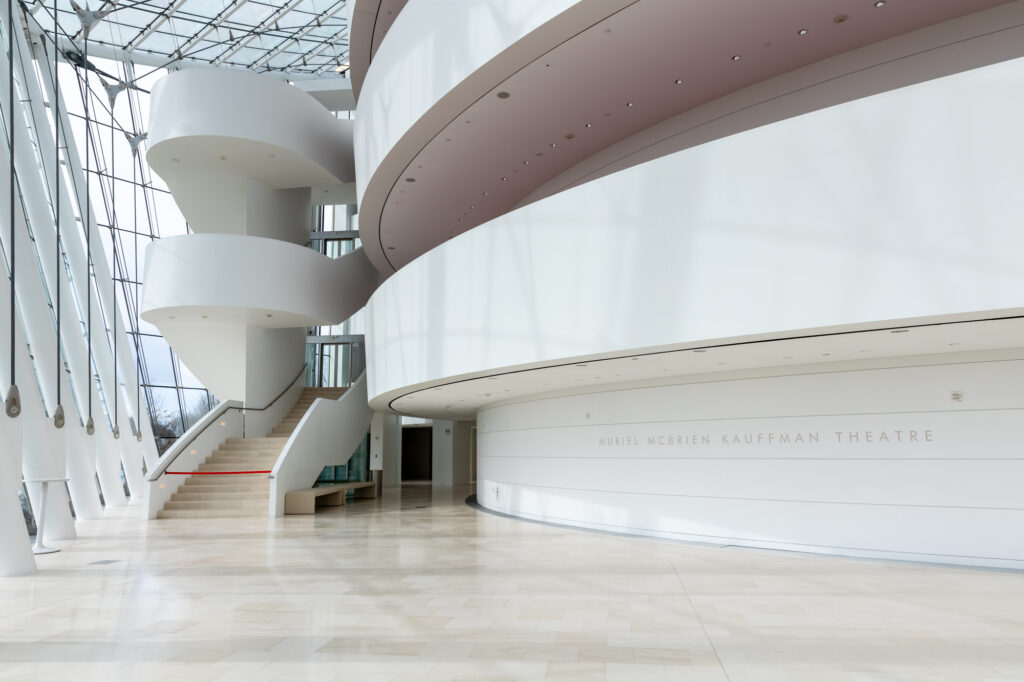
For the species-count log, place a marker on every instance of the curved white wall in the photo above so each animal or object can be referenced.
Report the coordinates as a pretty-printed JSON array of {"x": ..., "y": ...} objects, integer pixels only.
[
  {"x": 872, "y": 463},
  {"x": 429, "y": 66},
  {"x": 903, "y": 205},
  {"x": 222, "y": 103},
  {"x": 262, "y": 282}
]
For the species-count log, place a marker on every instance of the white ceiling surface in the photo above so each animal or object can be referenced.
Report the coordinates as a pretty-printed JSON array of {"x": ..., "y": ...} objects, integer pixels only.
[
  {"x": 823, "y": 351},
  {"x": 491, "y": 156},
  {"x": 295, "y": 38}
]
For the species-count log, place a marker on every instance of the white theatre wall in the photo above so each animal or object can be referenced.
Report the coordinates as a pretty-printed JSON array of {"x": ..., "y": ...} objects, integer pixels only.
[{"x": 880, "y": 462}]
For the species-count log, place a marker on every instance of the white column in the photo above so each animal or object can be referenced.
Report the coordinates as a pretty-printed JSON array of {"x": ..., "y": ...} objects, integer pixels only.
[
  {"x": 15, "y": 550},
  {"x": 131, "y": 459},
  {"x": 108, "y": 466},
  {"x": 81, "y": 470},
  {"x": 441, "y": 473}
]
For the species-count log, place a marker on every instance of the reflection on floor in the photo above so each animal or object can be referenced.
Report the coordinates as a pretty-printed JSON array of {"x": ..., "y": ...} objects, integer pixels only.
[{"x": 422, "y": 587}]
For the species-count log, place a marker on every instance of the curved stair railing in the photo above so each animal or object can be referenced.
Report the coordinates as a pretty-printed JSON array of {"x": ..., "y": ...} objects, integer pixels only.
[
  {"x": 328, "y": 434},
  {"x": 225, "y": 420}
]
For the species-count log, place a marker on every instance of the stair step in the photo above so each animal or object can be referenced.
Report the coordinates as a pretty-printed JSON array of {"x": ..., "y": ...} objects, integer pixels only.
[
  {"x": 201, "y": 495},
  {"x": 207, "y": 513},
  {"x": 222, "y": 489},
  {"x": 217, "y": 504}
]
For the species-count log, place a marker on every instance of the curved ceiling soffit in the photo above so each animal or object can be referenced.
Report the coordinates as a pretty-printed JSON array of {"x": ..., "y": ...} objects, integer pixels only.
[
  {"x": 942, "y": 340},
  {"x": 580, "y": 85},
  {"x": 370, "y": 22}
]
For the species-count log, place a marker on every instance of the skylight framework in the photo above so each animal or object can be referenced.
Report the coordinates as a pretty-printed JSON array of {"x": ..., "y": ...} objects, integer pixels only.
[{"x": 296, "y": 39}]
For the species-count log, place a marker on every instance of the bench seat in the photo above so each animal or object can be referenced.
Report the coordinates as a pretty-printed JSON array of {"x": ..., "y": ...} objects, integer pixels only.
[{"x": 306, "y": 501}]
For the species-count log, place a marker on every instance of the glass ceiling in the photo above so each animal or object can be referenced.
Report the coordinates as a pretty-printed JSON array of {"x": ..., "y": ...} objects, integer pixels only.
[{"x": 297, "y": 38}]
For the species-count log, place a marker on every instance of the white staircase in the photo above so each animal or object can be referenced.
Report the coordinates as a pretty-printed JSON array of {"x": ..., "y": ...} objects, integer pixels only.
[{"x": 212, "y": 495}]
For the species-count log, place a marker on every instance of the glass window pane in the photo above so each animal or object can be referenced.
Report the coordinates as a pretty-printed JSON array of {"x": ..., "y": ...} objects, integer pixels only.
[
  {"x": 195, "y": 405},
  {"x": 156, "y": 355},
  {"x": 166, "y": 414}
]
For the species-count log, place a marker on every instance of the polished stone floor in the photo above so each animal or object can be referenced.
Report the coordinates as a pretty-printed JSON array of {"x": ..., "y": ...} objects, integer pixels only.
[{"x": 422, "y": 587}]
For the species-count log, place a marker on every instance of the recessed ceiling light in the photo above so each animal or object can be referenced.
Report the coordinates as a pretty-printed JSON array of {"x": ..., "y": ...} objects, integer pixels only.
[
  {"x": 472, "y": 207},
  {"x": 840, "y": 18},
  {"x": 503, "y": 95},
  {"x": 554, "y": 146},
  {"x": 410, "y": 179},
  {"x": 269, "y": 315},
  {"x": 223, "y": 158},
  {"x": 391, "y": 248},
  {"x": 526, "y": 163},
  {"x": 589, "y": 125},
  {"x": 802, "y": 32},
  {"x": 504, "y": 179},
  {"x": 176, "y": 160},
  {"x": 569, "y": 136},
  {"x": 679, "y": 81},
  {"x": 736, "y": 57},
  {"x": 899, "y": 331},
  {"x": 629, "y": 105},
  {"x": 880, "y": 3}
]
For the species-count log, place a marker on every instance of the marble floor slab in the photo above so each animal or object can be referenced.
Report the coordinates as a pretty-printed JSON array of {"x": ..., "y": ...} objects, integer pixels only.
[{"x": 420, "y": 586}]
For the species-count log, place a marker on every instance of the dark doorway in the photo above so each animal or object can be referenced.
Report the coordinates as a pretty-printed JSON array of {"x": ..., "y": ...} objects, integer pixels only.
[{"x": 417, "y": 453}]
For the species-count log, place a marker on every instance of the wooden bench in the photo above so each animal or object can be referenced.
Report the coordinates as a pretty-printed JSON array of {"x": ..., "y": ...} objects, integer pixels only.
[{"x": 307, "y": 501}]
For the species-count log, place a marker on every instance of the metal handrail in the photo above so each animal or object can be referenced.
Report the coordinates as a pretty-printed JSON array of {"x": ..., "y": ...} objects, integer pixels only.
[{"x": 169, "y": 458}]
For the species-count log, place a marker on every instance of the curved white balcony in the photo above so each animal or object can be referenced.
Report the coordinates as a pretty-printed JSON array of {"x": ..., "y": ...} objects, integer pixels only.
[
  {"x": 247, "y": 154},
  {"x": 641, "y": 352},
  {"x": 472, "y": 109},
  {"x": 246, "y": 157},
  {"x": 369, "y": 22}
]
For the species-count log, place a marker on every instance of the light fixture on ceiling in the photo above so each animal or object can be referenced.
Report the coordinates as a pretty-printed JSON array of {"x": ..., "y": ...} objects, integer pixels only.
[
  {"x": 880, "y": 3},
  {"x": 341, "y": 68},
  {"x": 802, "y": 32},
  {"x": 410, "y": 179},
  {"x": 503, "y": 95},
  {"x": 736, "y": 57},
  {"x": 679, "y": 81},
  {"x": 629, "y": 105}
]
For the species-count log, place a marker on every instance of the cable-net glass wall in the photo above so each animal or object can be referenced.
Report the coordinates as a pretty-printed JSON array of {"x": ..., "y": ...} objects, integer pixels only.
[{"x": 132, "y": 207}]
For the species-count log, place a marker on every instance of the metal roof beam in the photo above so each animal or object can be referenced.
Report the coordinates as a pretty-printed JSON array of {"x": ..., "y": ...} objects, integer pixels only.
[
  {"x": 310, "y": 27},
  {"x": 267, "y": 23},
  {"x": 157, "y": 22}
]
